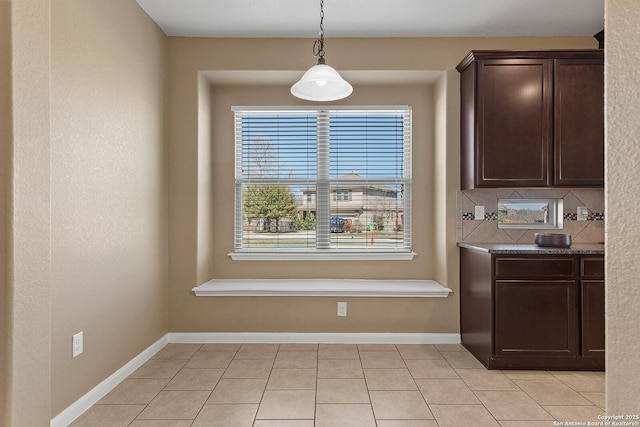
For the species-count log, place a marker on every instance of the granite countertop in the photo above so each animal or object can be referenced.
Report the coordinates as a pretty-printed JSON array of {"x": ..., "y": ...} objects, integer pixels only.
[{"x": 515, "y": 249}]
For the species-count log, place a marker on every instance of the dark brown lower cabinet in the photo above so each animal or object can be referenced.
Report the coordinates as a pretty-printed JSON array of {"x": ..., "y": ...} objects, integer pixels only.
[
  {"x": 535, "y": 318},
  {"x": 533, "y": 311},
  {"x": 592, "y": 305}
]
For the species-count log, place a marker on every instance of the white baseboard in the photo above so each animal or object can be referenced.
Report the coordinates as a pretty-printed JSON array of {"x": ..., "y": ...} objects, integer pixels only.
[
  {"x": 67, "y": 416},
  {"x": 321, "y": 338}
]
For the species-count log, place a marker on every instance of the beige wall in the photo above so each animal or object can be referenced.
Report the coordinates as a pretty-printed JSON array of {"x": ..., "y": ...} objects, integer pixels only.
[
  {"x": 206, "y": 207},
  {"x": 199, "y": 245},
  {"x": 83, "y": 199},
  {"x": 446, "y": 181},
  {"x": 29, "y": 291},
  {"x": 5, "y": 177},
  {"x": 108, "y": 192},
  {"x": 622, "y": 83}
]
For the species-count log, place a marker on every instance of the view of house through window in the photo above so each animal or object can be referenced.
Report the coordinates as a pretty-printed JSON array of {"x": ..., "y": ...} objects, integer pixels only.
[{"x": 318, "y": 179}]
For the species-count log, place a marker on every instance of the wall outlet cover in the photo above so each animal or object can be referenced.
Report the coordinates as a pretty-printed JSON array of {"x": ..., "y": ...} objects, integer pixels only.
[
  {"x": 582, "y": 213},
  {"x": 479, "y": 213},
  {"x": 342, "y": 309},
  {"x": 78, "y": 344}
]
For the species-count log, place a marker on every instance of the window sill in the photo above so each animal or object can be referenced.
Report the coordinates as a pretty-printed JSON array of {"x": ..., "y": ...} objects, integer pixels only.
[
  {"x": 328, "y": 255},
  {"x": 322, "y": 288}
]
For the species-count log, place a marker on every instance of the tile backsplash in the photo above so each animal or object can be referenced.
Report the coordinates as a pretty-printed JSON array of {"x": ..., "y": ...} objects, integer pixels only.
[{"x": 485, "y": 230}]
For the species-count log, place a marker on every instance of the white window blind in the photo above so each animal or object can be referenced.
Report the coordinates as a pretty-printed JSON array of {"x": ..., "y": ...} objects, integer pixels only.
[{"x": 323, "y": 179}]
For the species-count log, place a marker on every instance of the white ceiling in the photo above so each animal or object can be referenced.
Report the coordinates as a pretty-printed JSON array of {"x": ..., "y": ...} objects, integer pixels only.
[{"x": 377, "y": 18}]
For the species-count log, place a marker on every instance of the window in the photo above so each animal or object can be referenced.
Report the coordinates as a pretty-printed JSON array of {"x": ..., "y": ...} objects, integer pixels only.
[
  {"x": 342, "y": 194},
  {"x": 530, "y": 213},
  {"x": 323, "y": 181}
]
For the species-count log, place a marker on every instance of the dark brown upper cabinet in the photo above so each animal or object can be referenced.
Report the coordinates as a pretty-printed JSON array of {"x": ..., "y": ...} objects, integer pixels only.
[{"x": 532, "y": 119}]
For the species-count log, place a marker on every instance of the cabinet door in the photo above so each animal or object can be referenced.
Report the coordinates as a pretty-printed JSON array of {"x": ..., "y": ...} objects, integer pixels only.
[
  {"x": 579, "y": 122},
  {"x": 536, "y": 318},
  {"x": 514, "y": 130},
  {"x": 476, "y": 311},
  {"x": 593, "y": 329}
]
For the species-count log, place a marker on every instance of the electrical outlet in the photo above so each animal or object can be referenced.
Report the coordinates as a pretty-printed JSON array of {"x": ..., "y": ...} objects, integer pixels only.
[
  {"x": 479, "y": 213},
  {"x": 342, "y": 309},
  {"x": 78, "y": 344},
  {"x": 582, "y": 213}
]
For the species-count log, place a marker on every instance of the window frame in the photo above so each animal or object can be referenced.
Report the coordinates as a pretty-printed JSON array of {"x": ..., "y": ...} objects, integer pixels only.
[
  {"x": 343, "y": 195},
  {"x": 320, "y": 252},
  {"x": 555, "y": 209}
]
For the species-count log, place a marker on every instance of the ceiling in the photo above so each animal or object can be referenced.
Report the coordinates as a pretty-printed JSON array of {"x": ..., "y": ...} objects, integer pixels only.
[{"x": 377, "y": 18}]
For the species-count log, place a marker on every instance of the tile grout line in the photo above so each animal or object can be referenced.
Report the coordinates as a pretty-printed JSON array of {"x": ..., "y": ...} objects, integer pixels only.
[
  {"x": 205, "y": 401},
  {"x": 366, "y": 384},
  {"x": 414, "y": 380},
  {"x": 531, "y": 397},
  {"x": 563, "y": 383},
  {"x": 266, "y": 385},
  {"x": 315, "y": 403},
  {"x": 214, "y": 386},
  {"x": 163, "y": 388},
  {"x": 472, "y": 391}
]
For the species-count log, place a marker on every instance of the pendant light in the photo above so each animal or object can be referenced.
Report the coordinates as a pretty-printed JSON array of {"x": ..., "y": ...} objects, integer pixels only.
[{"x": 321, "y": 82}]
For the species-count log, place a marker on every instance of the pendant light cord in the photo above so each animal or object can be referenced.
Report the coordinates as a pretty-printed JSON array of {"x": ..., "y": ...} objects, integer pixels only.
[
  {"x": 318, "y": 45},
  {"x": 321, "y": 82}
]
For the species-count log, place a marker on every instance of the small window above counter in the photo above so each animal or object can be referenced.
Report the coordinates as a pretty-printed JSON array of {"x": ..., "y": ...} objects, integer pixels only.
[{"x": 530, "y": 213}]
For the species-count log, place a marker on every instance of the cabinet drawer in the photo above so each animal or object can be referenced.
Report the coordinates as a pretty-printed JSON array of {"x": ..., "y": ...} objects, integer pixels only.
[
  {"x": 532, "y": 268},
  {"x": 592, "y": 267}
]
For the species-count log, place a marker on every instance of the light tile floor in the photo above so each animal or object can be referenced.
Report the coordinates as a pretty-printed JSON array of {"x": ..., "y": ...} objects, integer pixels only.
[{"x": 322, "y": 385}]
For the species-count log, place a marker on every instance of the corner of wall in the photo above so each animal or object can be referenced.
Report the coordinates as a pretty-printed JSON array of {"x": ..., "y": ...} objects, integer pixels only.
[
  {"x": 623, "y": 224},
  {"x": 205, "y": 200},
  {"x": 27, "y": 385},
  {"x": 5, "y": 183},
  {"x": 109, "y": 191},
  {"x": 446, "y": 179}
]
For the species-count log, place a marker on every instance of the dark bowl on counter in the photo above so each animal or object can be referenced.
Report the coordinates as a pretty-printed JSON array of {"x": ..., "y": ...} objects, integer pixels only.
[{"x": 552, "y": 240}]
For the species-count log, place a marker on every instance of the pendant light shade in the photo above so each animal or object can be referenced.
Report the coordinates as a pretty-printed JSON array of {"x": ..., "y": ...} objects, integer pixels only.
[{"x": 321, "y": 82}]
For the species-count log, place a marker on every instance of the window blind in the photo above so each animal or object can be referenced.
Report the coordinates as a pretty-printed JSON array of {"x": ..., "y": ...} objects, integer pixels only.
[{"x": 316, "y": 179}]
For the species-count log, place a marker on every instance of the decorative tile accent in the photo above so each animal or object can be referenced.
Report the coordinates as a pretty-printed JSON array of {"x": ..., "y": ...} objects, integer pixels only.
[
  {"x": 568, "y": 216},
  {"x": 593, "y": 216},
  {"x": 468, "y": 216},
  {"x": 471, "y": 229},
  {"x": 491, "y": 216}
]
